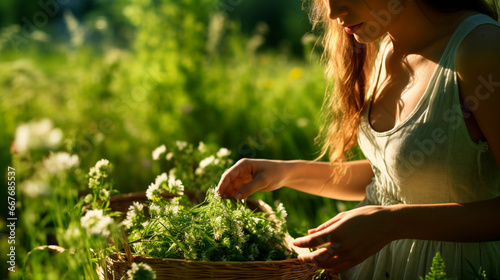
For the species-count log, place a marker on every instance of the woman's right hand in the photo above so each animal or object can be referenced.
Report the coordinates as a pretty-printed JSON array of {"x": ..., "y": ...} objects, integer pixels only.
[{"x": 250, "y": 175}]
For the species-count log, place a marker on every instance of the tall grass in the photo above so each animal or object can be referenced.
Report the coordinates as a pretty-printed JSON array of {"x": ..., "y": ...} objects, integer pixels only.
[{"x": 187, "y": 73}]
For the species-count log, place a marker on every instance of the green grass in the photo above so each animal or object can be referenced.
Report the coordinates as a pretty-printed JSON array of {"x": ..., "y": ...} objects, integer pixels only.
[{"x": 193, "y": 77}]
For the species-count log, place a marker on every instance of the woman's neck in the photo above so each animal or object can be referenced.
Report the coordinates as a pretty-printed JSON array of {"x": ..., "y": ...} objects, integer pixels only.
[{"x": 420, "y": 28}]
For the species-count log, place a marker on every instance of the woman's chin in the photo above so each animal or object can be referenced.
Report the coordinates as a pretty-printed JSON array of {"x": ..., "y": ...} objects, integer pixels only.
[{"x": 364, "y": 39}]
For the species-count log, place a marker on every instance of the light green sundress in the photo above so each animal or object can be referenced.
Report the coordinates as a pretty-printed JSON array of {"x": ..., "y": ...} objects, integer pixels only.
[{"x": 430, "y": 158}]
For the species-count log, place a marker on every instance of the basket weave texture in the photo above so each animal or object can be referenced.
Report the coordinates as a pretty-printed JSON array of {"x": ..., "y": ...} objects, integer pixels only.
[
  {"x": 119, "y": 263},
  {"x": 184, "y": 269}
]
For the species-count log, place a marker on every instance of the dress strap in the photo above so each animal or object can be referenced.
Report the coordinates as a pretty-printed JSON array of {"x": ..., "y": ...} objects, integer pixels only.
[{"x": 465, "y": 27}]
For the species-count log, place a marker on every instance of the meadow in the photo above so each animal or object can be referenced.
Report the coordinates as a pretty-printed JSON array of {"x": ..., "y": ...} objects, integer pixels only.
[{"x": 175, "y": 73}]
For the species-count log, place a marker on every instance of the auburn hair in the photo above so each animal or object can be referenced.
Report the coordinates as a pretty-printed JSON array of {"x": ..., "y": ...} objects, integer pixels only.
[{"x": 348, "y": 68}]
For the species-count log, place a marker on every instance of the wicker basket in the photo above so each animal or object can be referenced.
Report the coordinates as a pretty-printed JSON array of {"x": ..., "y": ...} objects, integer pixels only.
[
  {"x": 119, "y": 264},
  {"x": 183, "y": 269}
]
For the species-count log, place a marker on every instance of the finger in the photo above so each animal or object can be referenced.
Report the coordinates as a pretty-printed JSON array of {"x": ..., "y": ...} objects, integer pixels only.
[
  {"x": 250, "y": 188},
  {"x": 224, "y": 183},
  {"x": 314, "y": 240},
  {"x": 333, "y": 265},
  {"x": 325, "y": 224},
  {"x": 316, "y": 257},
  {"x": 320, "y": 256},
  {"x": 312, "y": 230},
  {"x": 227, "y": 188},
  {"x": 236, "y": 184},
  {"x": 229, "y": 182},
  {"x": 328, "y": 258}
]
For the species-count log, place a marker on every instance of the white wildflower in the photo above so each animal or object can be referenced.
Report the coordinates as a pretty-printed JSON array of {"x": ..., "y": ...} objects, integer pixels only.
[
  {"x": 174, "y": 201},
  {"x": 100, "y": 170},
  {"x": 34, "y": 188},
  {"x": 169, "y": 156},
  {"x": 99, "y": 137},
  {"x": 268, "y": 231},
  {"x": 198, "y": 171},
  {"x": 163, "y": 182},
  {"x": 162, "y": 178},
  {"x": 128, "y": 223},
  {"x": 175, "y": 186},
  {"x": 158, "y": 152},
  {"x": 281, "y": 211},
  {"x": 102, "y": 164},
  {"x": 206, "y": 162},
  {"x": 93, "y": 182},
  {"x": 37, "y": 135},
  {"x": 141, "y": 271},
  {"x": 171, "y": 209},
  {"x": 154, "y": 210},
  {"x": 202, "y": 147},
  {"x": 96, "y": 223},
  {"x": 181, "y": 145},
  {"x": 152, "y": 192},
  {"x": 302, "y": 122},
  {"x": 223, "y": 152},
  {"x": 60, "y": 161},
  {"x": 104, "y": 194},
  {"x": 172, "y": 172},
  {"x": 219, "y": 228},
  {"x": 101, "y": 23},
  {"x": 136, "y": 207}
]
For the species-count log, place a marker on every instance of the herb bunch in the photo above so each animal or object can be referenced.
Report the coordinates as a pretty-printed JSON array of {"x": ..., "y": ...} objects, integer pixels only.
[
  {"x": 196, "y": 166},
  {"x": 215, "y": 230}
]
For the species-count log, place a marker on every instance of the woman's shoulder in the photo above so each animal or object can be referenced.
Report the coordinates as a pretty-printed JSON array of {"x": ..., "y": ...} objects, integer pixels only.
[
  {"x": 479, "y": 49},
  {"x": 478, "y": 71}
]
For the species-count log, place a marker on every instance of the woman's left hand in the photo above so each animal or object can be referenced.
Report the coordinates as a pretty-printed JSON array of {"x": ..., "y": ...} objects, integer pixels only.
[{"x": 350, "y": 237}]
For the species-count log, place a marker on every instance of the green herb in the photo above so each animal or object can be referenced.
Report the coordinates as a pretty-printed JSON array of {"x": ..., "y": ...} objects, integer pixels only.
[
  {"x": 196, "y": 166},
  {"x": 141, "y": 271},
  {"x": 215, "y": 230},
  {"x": 437, "y": 269}
]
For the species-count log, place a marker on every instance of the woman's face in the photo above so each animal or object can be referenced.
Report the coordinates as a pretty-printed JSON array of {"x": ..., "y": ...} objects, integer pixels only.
[{"x": 367, "y": 20}]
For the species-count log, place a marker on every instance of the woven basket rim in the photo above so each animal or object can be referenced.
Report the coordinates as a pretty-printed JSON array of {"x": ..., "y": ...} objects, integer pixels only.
[
  {"x": 160, "y": 259},
  {"x": 167, "y": 268}
]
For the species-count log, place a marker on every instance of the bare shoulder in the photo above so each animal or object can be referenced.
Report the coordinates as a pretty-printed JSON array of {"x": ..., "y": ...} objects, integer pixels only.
[{"x": 480, "y": 51}]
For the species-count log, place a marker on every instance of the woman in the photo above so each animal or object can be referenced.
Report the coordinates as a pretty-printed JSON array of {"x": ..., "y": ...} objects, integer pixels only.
[{"x": 425, "y": 114}]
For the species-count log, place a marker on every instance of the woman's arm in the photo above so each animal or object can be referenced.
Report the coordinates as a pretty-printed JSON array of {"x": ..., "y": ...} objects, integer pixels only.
[
  {"x": 318, "y": 178},
  {"x": 345, "y": 181},
  {"x": 355, "y": 235},
  {"x": 459, "y": 222},
  {"x": 478, "y": 68}
]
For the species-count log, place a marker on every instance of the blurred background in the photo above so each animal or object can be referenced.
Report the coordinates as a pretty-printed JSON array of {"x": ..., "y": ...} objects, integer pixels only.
[{"x": 120, "y": 78}]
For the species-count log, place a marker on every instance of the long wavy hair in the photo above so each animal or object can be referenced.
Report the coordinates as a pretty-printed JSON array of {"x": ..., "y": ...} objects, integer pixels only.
[{"x": 349, "y": 66}]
